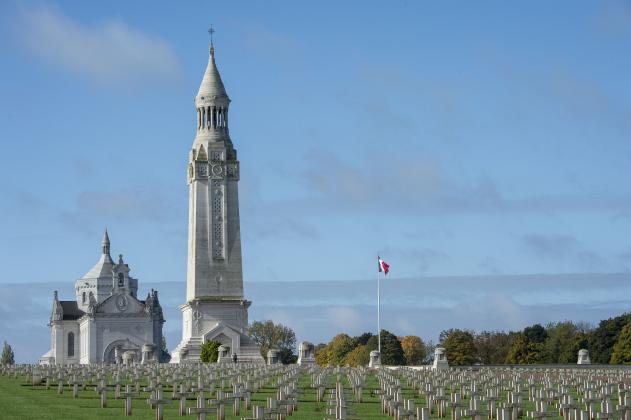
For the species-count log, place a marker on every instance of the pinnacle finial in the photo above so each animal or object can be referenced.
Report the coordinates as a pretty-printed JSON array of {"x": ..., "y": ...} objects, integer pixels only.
[
  {"x": 211, "y": 31},
  {"x": 105, "y": 243}
]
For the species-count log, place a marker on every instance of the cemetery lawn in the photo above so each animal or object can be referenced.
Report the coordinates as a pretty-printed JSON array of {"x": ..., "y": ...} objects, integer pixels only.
[{"x": 20, "y": 400}]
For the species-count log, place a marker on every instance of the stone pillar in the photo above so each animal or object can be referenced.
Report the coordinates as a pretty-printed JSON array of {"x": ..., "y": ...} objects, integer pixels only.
[
  {"x": 306, "y": 353},
  {"x": 224, "y": 354},
  {"x": 375, "y": 359},
  {"x": 440, "y": 359},
  {"x": 273, "y": 357},
  {"x": 128, "y": 357},
  {"x": 148, "y": 355},
  {"x": 583, "y": 357}
]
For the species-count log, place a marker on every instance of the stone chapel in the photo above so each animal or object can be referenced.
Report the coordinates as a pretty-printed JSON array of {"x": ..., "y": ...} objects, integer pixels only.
[{"x": 107, "y": 322}]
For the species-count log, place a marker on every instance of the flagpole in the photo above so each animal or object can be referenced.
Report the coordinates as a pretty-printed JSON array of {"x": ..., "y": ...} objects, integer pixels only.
[{"x": 379, "y": 307}]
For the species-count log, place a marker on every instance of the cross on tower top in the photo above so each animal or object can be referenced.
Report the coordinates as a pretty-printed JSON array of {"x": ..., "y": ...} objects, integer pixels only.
[{"x": 211, "y": 31}]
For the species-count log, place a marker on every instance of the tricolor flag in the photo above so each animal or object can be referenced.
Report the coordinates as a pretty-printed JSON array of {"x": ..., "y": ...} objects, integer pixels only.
[{"x": 384, "y": 267}]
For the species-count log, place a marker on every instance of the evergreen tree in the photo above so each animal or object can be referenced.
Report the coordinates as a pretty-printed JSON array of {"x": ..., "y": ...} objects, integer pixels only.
[
  {"x": 391, "y": 350},
  {"x": 605, "y": 336},
  {"x": 8, "y": 358},
  {"x": 210, "y": 351}
]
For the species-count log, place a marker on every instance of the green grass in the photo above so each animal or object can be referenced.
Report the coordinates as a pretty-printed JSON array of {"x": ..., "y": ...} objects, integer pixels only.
[{"x": 20, "y": 400}]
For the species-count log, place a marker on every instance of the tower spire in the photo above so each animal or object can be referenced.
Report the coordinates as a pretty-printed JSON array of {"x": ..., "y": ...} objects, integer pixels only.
[{"x": 212, "y": 101}]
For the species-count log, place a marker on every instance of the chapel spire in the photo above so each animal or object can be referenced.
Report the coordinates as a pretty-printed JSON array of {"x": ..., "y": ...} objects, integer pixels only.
[{"x": 105, "y": 243}]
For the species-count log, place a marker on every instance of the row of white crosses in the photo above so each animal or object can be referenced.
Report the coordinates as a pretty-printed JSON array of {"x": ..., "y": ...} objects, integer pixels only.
[
  {"x": 207, "y": 383},
  {"x": 497, "y": 393},
  {"x": 573, "y": 393}
]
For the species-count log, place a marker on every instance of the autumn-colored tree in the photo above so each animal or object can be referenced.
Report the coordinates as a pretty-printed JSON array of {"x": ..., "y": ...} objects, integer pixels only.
[
  {"x": 525, "y": 352},
  {"x": 359, "y": 356},
  {"x": 338, "y": 348},
  {"x": 321, "y": 355},
  {"x": 413, "y": 349},
  {"x": 493, "y": 346},
  {"x": 621, "y": 353},
  {"x": 460, "y": 347}
]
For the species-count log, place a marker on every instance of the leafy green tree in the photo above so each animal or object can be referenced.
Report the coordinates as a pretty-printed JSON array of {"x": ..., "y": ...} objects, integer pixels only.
[
  {"x": 529, "y": 346},
  {"x": 210, "y": 351},
  {"x": 535, "y": 334},
  {"x": 413, "y": 349},
  {"x": 363, "y": 339},
  {"x": 621, "y": 353},
  {"x": 559, "y": 345},
  {"x": 391, "y": 350},
  {"x": 8, "y": 358},
  {"x": 605, "y": 336},
  {"x": 269, "y": 335},
  {"x": 460, "y": 347}
]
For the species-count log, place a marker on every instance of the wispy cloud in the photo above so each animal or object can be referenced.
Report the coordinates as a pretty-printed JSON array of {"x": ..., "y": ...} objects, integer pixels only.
[
  {"x": 423, "y": 185},
  {"x": 110, "y": 52},
  {"x": 563, "y": 247}
]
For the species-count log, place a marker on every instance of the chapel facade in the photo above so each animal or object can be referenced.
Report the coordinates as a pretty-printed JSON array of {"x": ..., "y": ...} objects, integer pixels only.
[{"x": 106, "y": 322}]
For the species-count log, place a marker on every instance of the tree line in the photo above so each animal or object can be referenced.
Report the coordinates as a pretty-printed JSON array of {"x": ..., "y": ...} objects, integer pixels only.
[{"x": 607, "y": 343}]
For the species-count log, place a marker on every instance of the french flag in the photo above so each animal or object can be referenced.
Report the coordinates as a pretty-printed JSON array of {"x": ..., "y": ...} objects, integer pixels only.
[{"x": 384, "y": 267}]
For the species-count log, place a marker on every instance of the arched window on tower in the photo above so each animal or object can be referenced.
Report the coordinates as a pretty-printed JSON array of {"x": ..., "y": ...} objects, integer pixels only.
[
  {"x": 70, "y": 344},
  {"x": 83, "y": 297},
  {"x": 121, "y": 280}
]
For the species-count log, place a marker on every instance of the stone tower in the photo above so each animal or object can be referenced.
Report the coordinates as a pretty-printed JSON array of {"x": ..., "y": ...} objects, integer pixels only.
[{"x": 215, "y": 307}]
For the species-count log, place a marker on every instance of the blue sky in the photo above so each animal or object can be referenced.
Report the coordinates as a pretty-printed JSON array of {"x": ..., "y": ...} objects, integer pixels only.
[{"x": 455, "y": 138}]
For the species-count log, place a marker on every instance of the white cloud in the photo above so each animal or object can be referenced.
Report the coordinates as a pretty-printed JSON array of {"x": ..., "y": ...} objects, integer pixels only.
[{"x": 109, "y": 52}]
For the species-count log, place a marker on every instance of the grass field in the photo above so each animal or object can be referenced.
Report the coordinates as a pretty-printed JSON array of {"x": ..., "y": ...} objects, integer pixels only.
[{"x": 20, "y": 400}]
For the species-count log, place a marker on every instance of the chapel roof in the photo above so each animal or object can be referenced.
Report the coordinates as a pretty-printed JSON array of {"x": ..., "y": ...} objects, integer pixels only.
[
  {"x": 71, "y": 310},
  {"x": 103, "y": 268}
]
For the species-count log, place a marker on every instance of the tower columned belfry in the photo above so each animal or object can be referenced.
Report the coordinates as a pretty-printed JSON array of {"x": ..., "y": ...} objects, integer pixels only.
[{"x": 215, "y": 307}]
